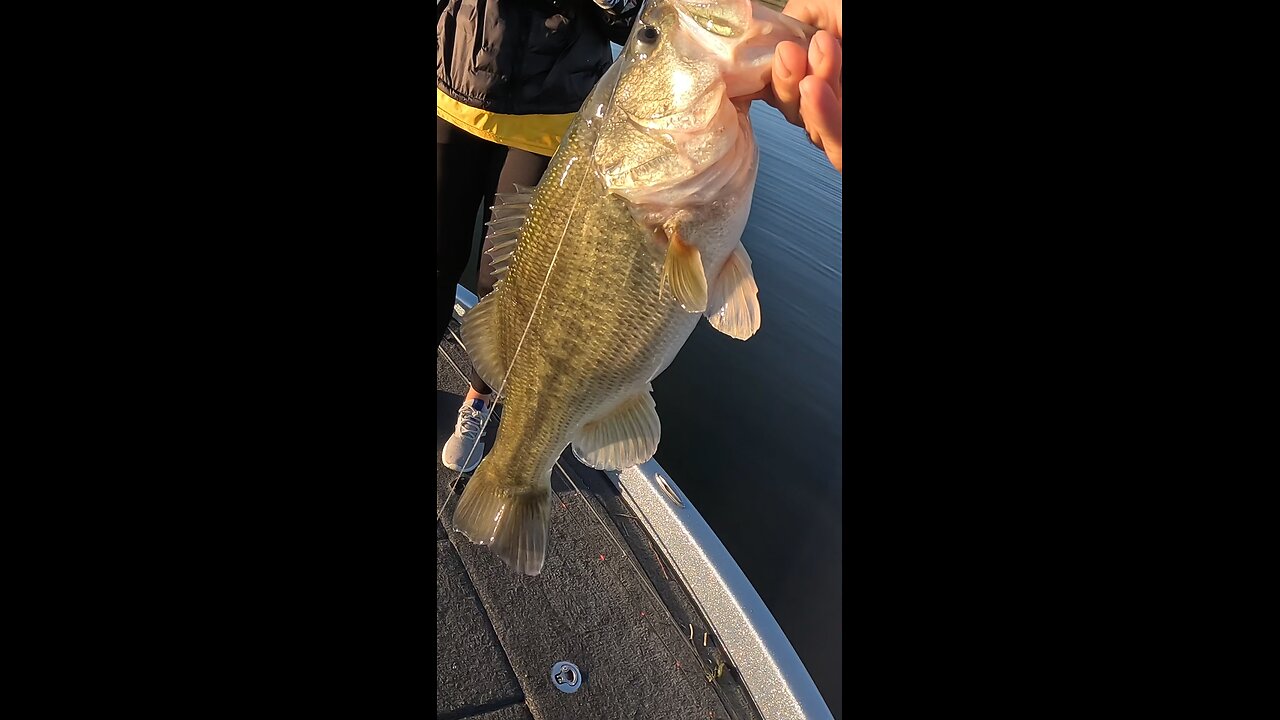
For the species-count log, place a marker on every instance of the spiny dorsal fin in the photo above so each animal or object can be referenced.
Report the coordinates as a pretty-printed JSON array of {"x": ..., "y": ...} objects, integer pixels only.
[
  {"x": 506, "y": 221},
  {"x": 626, "y": 435}
]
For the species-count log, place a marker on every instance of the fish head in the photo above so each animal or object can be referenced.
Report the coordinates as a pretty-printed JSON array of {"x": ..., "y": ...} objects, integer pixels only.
[
  {"x": 672, "y": 124},
  {"x": 736, "y": 37}
]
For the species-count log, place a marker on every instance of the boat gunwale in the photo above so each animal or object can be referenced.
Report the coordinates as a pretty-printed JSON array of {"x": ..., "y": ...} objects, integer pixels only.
[{"x": 781, "y": 686}]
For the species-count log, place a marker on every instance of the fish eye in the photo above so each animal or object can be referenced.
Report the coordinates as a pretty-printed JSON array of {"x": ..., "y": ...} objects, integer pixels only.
[{"x": 648, "y": 35}]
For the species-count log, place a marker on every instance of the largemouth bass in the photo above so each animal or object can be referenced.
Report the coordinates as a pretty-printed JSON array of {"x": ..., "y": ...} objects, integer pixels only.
[{"x": 633, "y": 233}]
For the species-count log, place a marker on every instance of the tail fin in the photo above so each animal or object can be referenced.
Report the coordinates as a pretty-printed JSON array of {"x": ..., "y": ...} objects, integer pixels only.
[{"x": 513, "y": 525}]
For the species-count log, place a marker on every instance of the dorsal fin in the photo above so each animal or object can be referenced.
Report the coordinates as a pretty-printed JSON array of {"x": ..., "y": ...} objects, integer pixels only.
[{"x": 506, "y": 221}]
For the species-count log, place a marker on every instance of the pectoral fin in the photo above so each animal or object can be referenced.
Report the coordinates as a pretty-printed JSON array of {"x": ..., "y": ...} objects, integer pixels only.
[
  {"x": 733, "y": 307},
  {"x": 683, "y": 272},
  {"x": 627, "y": 435}
]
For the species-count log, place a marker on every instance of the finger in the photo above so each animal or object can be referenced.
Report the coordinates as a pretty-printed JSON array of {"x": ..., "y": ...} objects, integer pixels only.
[
  {"x": 825, "y": 59},
  {"x": 822, "y": 115},
  {"x": 789, "y": 67},
  {"x": 821, "y": 14}
]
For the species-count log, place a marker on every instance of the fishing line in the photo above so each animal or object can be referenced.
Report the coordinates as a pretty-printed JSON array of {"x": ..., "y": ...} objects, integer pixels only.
[
  {"x": 648, "y": 585},
  {"x": 619, "y": 545},
  {"x": 511, "y": 364},
  {"x": 692, "y": 598},
  {"x": 641, "y": 576},
  {"x": 622, "y": 549},
  {"x": 559, "y": 243},
  {"x": 451, "y": 362}
]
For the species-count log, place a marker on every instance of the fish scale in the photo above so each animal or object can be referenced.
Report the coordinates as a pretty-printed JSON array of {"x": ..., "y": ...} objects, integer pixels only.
[
  {"x": 590, "y": 342},
  {"x": 619, "y": 254}
]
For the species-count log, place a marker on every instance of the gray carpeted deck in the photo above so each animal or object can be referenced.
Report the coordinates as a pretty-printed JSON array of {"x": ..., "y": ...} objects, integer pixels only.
[{"x": 498, "y": 633}]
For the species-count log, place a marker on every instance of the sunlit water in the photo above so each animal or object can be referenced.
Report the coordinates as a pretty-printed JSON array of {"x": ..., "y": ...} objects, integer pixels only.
[{"x": 751, "y": 431}]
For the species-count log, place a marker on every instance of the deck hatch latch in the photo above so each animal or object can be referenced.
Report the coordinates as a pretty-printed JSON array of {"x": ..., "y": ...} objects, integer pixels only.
[{"x": 566, "y": 677}]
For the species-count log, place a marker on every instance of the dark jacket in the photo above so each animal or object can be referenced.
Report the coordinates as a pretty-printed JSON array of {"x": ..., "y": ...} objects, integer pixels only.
[{"x": 522, "y": 57}]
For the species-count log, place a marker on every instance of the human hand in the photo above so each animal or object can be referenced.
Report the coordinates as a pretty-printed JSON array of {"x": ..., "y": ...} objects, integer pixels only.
[{"x": 807, "y": 84}]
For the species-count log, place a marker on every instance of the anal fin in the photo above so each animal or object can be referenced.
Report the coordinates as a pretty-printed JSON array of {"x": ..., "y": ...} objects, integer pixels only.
[{"x": 627, "y": 435}]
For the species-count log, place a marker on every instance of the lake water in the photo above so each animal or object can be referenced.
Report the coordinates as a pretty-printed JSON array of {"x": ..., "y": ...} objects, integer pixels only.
[{"x": 752, "y": 431}]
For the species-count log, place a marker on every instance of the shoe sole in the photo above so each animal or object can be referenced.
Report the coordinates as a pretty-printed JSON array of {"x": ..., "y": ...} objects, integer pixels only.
[
  {"x": 455, "y": 468},
  {"x": 458, "y": 469}
]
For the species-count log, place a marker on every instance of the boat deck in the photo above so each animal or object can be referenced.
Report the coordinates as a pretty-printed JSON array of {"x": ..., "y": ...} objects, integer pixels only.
[{"x": 604, "y": 601}]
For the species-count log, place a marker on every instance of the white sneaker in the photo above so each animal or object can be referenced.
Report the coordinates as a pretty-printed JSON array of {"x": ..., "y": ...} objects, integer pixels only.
[{"x": 463, "y": 445}]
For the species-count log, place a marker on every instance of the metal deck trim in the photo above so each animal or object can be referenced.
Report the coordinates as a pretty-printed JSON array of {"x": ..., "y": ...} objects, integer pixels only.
[{"x": 768, "y": 665}]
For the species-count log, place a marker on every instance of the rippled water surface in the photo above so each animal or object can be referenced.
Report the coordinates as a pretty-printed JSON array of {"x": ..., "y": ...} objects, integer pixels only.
[{"x": 751, "y": 431}]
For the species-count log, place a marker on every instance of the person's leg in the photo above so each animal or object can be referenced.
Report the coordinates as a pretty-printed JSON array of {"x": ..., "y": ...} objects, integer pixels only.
[
  {"x": 464, "y": 177},
  {"x": 524, "y": 169},
  {"x": 464, "y": 450}
]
